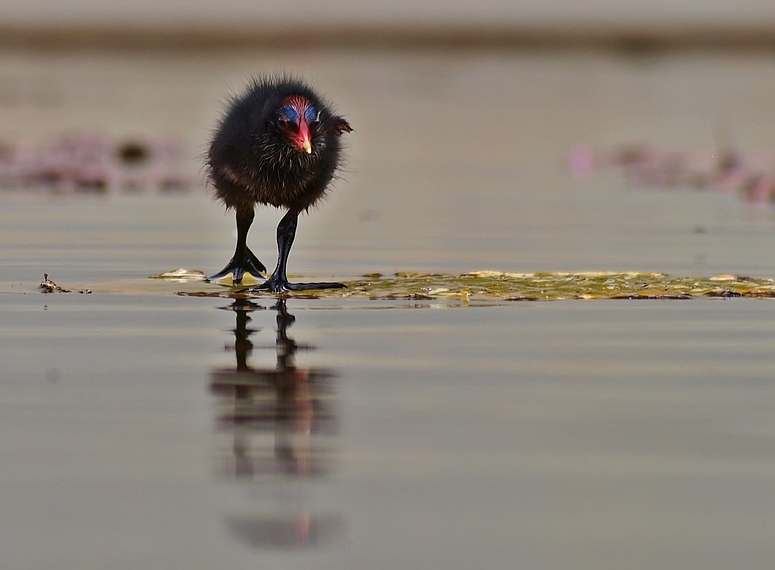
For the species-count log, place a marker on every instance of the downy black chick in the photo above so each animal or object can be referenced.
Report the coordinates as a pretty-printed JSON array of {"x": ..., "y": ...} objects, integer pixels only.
[{"x": 277, "y": 144}]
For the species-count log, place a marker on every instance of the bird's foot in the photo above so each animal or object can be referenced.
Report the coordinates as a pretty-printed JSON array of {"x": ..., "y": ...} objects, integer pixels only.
[
  {"x": 273, "y": 285},
  {"x": 238, "y": 266}
]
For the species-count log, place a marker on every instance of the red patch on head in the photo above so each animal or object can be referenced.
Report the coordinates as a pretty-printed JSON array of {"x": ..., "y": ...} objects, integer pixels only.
[
  {"x": 303, "y": 138},
  {"x": 298, "y": 102}
]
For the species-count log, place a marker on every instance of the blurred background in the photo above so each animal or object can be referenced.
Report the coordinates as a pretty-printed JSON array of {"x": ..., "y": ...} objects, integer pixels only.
[
  {"x": 369, "y": 22},
  {"x": 553, "y": 135},
  {"x": 547, "y": 109}
]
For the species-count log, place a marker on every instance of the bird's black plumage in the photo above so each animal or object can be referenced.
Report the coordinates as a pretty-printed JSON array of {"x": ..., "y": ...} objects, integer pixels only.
[{"x": 277, "y": 144}]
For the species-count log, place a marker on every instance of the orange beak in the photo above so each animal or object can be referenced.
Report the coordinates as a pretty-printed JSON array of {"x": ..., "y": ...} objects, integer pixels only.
[{"x": 304, "y": 140}]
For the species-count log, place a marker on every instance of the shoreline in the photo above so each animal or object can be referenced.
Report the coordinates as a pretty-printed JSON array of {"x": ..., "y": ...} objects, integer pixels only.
[{"x": 626, "y": 37}]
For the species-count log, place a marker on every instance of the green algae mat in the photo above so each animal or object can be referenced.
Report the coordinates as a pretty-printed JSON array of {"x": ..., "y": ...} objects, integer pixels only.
[{"x": 495, "y": 285}]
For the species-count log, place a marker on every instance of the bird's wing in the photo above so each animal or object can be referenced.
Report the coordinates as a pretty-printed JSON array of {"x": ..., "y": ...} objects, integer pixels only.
[{"x": 342, "y": 126}]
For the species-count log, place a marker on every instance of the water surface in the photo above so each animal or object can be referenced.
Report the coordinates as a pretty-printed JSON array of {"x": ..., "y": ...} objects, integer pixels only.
[{"x": 139, "y": 429}]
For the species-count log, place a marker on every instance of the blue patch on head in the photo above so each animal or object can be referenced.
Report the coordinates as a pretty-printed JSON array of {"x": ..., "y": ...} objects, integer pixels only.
[
  {"x": 289, "y": 113},
  {"x": 311, "y": 114}
]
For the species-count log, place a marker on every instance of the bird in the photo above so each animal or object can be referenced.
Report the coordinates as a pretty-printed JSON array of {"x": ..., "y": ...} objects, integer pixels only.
[{"x": 277, "y": 144}]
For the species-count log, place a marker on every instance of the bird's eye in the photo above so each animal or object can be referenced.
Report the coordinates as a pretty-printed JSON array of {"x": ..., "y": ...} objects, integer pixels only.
[{"x": 288, "y": 114}]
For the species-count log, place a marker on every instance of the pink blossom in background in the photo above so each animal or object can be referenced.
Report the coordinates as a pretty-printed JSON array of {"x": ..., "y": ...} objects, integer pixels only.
[
  {"x": 93, "y": 162},
  {"x": 720, "y": 170}
]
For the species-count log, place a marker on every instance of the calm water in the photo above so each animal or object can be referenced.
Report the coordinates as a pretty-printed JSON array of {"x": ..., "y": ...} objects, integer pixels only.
[
  {"x": 568, "y": 434},
  {"x": 143, "y": 429}
]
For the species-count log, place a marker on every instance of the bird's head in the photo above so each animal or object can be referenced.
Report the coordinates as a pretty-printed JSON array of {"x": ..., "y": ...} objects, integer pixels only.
[{"x": 296, "y": 119}]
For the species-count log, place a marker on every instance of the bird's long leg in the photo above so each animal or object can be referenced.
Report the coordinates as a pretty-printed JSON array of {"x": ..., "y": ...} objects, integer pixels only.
[
  {"x": 244, "y": 260},
  {"x": 278, "y": 282}
]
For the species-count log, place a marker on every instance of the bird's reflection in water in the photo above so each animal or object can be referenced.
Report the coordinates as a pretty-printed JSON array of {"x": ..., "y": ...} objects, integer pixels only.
[{"x": 282, "y": 420}]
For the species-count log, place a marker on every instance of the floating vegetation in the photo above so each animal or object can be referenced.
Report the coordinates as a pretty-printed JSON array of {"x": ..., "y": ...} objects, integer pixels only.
[
  {"x": 48, "y": 286},
  {"x": 496, "y": 285},
  {"x": 181, "y": 275}
]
